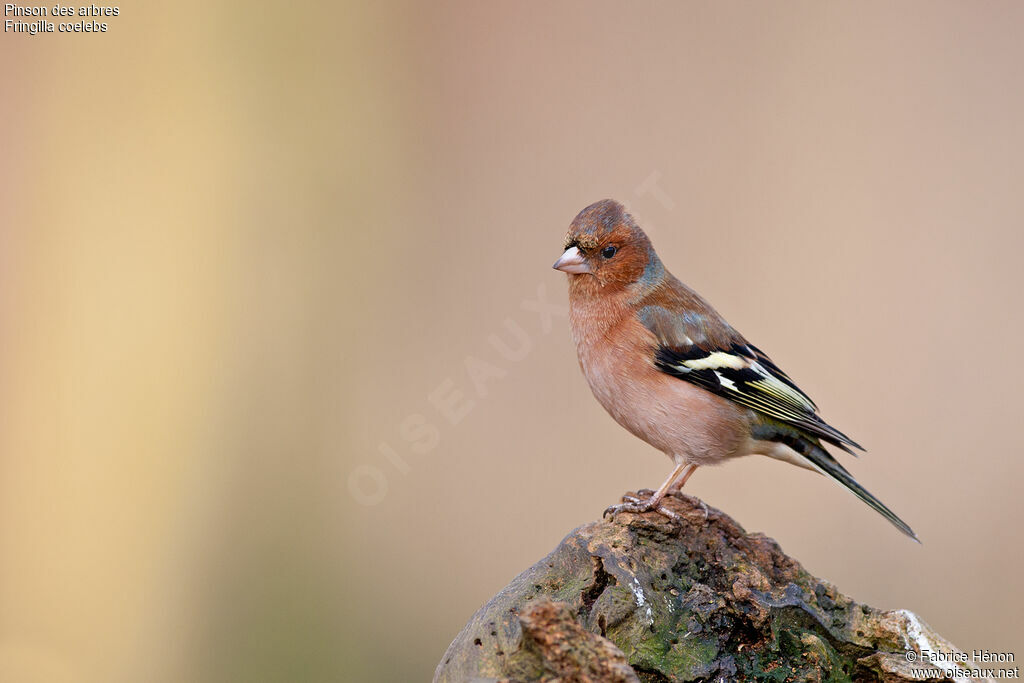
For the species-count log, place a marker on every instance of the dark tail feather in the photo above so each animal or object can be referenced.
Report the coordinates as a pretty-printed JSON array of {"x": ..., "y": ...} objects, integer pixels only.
[{"x": 828, "y": 464}]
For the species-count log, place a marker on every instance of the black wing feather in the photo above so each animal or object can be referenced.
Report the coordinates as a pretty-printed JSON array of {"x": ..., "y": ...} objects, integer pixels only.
[{"x": 745, "y": 375}]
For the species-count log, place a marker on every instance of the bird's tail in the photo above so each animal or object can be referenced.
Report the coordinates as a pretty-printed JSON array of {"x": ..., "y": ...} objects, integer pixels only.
[{"x": 824, "y": 462}]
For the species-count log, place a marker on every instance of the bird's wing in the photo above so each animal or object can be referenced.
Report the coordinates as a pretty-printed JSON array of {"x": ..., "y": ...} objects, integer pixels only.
[{"x": 697, "y": 346}]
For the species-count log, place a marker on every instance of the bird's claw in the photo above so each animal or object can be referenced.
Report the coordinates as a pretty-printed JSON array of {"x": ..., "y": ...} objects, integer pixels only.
[
  {"x": 629, "y": 504},
  {"x": 639, "y": 505},
  {"x": 692, "y": 499}
]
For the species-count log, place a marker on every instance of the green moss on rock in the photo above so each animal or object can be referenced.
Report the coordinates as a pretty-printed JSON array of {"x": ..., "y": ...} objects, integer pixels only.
[{"x": 643, "y": 599}]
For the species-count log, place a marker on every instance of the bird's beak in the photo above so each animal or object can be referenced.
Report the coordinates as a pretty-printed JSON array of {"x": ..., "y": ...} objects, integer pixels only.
[{"x": 572, "y": 262}]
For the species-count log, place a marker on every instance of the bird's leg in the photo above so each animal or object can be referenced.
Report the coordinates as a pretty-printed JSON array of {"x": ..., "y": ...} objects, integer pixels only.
[
  {"x": 631, "y": 504},
  {"x": 677, "y": 489},
  {"x": 678, "y": 486}
]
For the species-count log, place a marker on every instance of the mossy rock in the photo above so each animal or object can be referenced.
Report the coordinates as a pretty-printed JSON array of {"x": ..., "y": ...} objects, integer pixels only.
[{"x": 641, "y": 598}]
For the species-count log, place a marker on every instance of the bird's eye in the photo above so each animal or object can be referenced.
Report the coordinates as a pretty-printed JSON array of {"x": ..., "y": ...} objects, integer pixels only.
[{"x": 609, "y": 251}]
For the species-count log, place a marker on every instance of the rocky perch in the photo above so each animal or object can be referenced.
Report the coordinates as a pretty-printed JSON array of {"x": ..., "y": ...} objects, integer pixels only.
[{"x": 643, "y": 599}]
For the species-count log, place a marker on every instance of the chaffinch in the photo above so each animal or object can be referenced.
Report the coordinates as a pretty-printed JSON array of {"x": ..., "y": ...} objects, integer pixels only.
[{"x": 674, "y": 373}]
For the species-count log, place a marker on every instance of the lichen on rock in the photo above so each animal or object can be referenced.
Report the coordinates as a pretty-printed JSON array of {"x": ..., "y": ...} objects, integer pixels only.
[{"x": 641, "y": 598}]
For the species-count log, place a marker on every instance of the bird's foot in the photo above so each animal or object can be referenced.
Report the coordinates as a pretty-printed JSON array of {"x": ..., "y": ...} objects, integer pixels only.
[
  {"x": 637, "y": 505},
  {"x": 692, "y": 500}
]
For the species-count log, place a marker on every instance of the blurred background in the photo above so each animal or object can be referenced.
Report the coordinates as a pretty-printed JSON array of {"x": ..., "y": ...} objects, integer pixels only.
[{"x": 286, "y": 386}]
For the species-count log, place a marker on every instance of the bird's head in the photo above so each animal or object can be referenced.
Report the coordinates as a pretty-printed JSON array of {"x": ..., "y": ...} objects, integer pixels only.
[{"x": 605, "y": 246}]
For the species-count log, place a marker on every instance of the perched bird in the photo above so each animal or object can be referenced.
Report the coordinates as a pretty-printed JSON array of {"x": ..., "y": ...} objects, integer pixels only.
[{"x": 674, "y": 373}]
